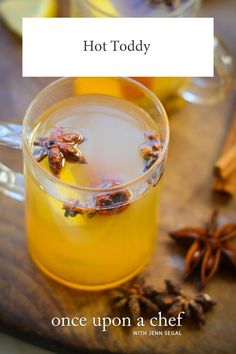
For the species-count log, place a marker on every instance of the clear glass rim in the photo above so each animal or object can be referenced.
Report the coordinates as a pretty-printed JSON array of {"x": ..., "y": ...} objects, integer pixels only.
[
  {"x": 56, "y": 180},
  {"x": 175, "y": 13}
]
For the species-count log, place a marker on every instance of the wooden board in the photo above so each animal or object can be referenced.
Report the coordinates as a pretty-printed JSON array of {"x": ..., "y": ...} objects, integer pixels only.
[{"x": 28, "y": 300}]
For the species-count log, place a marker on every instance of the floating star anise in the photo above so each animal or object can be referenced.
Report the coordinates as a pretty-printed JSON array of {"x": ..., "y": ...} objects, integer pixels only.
[
  {"x": 174, "y": 300},
  {"x": 106, "y": 203},
  {"x": 167, "y": 2},
  {"x": 73, "y": 207},
  {"x": 112, "y": 202},
  {"x": 134, "y": 297},
  {"x": 58, "y": 147},
  {"x": 208, "y": 246},
  {"x": 150, "y": 150}
]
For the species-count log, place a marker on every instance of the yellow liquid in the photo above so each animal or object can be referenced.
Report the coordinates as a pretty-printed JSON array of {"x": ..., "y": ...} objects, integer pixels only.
[{"x": 105, "y": 250}]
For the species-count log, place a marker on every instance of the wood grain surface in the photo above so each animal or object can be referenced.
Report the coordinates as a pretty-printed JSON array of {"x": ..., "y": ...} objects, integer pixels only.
[{"x": 28, "y": 299}]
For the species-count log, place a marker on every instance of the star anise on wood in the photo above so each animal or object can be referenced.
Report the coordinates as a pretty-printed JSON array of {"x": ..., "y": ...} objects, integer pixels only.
[
  {"x": 208, "y": 246},
  {"x": 138, "y": 300},
  {"x": 58, "y": 147},
  {"x": 135, "y": 298},
  {"x": 174, "y": 300},
  {"x": 167, "y": 2},
  {"x": 150, "y": 150}
]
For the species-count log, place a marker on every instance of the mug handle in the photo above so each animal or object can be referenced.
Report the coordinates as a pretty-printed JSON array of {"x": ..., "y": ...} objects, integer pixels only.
[
  {"x": 11, "y": 182},
  {"x": 210, "y": 90}
]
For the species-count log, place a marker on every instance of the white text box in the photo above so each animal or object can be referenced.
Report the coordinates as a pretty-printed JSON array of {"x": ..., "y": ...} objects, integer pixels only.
[{"x": 146, "y": 47}]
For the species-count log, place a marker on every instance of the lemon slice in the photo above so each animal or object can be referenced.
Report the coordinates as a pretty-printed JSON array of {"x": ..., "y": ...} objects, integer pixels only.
[
  {"x": 55, "y": 205},
  {"x": 12, "y": 11},
  {"x": 104, "y": 6},
  {"x": 97, "y": 85}
]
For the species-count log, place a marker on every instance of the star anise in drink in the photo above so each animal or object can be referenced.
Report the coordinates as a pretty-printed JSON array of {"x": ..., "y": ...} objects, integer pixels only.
[
  {"x": 135, "y": 298},
  {"x": 169, "y": 3},
  {"x": 73, "y": 207},
  {"x": 59, "y": 146},
  {"x": 150, "y": 150},
  {"x": 209, "y": 246},
  {"x": 112, "y": 202},
  {"x": 105, "y": 203},
  {"x": 174, "y": 300}
]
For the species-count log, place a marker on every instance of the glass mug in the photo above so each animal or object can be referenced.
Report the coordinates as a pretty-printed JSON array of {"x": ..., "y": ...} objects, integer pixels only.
[
  {"x": 88, "y": 253},
  {"x": 172, "y": 91}
]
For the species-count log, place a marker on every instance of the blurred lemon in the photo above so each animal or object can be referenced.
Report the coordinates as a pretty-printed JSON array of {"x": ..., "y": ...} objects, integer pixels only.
[
  {"x": 106, "y": 6},
  {"x": 97, "y": 85},
  {"x": 12, "y": 11}
]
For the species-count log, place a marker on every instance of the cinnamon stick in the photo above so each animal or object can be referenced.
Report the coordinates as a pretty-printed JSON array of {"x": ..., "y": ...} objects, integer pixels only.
[
  {"x": 226, "y": 186},
  {"x": 225, "y": 166}
]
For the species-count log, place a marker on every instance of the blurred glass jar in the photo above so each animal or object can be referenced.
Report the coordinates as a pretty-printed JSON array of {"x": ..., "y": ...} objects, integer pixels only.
[
  {"x": 173, "y": 91},
  {"x": 133, "y": 8}
]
